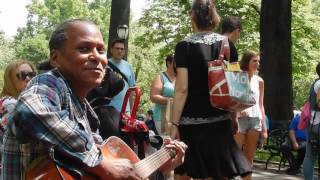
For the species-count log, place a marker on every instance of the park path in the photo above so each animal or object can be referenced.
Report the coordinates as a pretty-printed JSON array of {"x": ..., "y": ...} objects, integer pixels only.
[{"x": 272, "y": 173}]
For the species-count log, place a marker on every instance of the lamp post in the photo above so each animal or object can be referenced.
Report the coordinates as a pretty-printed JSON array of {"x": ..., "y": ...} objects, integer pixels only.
[
  {"x": 119, "y": 21},
  {"x": 122, "y": 31}
]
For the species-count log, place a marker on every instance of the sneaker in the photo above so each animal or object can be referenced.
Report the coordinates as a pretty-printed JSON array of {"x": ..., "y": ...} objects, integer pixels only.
[{"x": 291, "y": 171}]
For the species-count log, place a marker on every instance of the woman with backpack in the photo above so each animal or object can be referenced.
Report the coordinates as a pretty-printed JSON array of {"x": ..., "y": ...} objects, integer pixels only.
[
  {"x": 312, "y": 149},
  {"x": 212, "y": 152}
]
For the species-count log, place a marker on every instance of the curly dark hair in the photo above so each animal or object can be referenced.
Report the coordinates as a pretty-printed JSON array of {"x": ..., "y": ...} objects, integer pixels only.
[{"x": 170, "y": 59}]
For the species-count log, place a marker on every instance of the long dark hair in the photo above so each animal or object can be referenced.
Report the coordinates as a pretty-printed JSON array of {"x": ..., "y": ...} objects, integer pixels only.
[{"x": 170, "y": 59}]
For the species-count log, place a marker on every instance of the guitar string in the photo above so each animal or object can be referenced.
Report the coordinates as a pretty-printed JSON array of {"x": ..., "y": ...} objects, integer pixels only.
[
  {"x": 144, "y": 164},
  {"x": 151, "y": 159},
  {"x": 156, "y": 162},
  {"x": 152, "y": 162},
  {"x": 154, "y": 156}
]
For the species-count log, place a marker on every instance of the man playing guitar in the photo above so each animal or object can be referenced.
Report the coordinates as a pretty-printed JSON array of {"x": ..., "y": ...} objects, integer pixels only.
[{"x": 50, "y": 117}]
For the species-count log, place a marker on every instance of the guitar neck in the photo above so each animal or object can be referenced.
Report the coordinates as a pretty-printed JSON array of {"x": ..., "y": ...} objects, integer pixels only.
[{"x": 153, "y": 162}]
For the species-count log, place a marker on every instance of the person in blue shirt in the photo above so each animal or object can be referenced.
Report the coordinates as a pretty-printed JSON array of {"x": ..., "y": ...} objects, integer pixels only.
[
  {"x": 118, "y": 52},
  {"x": 296, "y": 142}
]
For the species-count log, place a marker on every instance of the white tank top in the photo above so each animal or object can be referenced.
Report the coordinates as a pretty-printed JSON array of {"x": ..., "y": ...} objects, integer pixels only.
[{"x": 254, "y": 111}]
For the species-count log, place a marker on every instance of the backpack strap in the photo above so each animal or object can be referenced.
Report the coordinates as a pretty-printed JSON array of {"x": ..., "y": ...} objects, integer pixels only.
[
  {"x": 116, "y": 69},
  {"x": 313, "y": 96},
  {"x": 166, "y": 75},
  {"x": 224, "y": 49}
]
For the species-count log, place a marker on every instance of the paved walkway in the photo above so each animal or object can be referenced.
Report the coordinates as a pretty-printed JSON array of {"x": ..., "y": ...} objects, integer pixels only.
[{"x": 260, "y": 173}]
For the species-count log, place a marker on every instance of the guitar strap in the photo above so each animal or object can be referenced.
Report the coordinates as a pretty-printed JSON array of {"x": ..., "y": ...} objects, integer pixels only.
[{"x": 116, "y": 69}]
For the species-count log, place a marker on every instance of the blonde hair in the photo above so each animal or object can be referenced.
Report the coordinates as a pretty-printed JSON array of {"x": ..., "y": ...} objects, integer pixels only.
[{"x": 9, "y": 86}]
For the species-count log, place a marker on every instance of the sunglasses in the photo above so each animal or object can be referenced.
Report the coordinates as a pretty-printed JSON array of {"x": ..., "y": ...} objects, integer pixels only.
[{"x": 23, "y": 75}]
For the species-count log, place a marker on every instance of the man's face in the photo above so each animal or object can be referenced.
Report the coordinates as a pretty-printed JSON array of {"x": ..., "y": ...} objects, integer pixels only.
[
  {"x": 118, "y": 51},
  {"x": 82, "y": 58}
]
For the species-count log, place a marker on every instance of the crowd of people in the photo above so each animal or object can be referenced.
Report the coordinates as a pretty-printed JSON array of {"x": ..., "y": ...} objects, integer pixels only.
[{"x": 64, "y": 114}]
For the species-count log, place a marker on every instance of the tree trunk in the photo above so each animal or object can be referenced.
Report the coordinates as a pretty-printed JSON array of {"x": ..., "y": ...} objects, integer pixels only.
[
  {"x": 120, "y": 11},
  {"x": 276, "y": 65}
]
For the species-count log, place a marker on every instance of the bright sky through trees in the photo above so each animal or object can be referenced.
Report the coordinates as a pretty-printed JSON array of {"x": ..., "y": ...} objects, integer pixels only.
[{"x": 13, "y": 14}]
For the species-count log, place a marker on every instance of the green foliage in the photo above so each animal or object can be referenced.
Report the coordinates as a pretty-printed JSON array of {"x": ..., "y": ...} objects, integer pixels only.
[
  {"x": 168, "y": 26},
  {"x": 305, "y": 47},
  {"x": 164, "y": 26},
  {"x": 249, "y": 13},
  {"x": 44, "y": 15},
  {"x": 145, "y": 64},
  {"x": 6, "y": 50}
]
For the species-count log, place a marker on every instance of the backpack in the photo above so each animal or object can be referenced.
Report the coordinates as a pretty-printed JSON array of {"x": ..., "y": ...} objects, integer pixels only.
[
  {"x": 111, "y": 85},
  {"x": 309, "y": 105}
]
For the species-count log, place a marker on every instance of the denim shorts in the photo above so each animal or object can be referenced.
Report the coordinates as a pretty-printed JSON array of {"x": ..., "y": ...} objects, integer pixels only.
[{"x": 248, "y": 123}]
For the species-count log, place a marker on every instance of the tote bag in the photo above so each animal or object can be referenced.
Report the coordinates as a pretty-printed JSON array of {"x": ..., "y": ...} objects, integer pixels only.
[{"x": 228, "y": 89}]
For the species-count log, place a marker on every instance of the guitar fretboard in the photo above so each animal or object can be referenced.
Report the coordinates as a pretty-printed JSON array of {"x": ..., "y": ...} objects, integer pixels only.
[{"x": 153, "y": 162}]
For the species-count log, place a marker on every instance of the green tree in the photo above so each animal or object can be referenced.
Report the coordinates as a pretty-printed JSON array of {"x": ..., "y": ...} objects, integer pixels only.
[
  {"x": 43, "y": 15},
  {"x": 145, "y": 64},
  {"x": 6, "y": 54},
  {"x": 305, "y": 47},
  {"x": 6, "y": 50},
  {"x": 164, "y": 26},
  {"x": 167, "y": 26}
]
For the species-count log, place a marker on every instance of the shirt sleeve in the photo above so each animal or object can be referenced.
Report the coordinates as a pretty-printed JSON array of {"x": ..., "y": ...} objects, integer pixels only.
[
  {"x": 316, "y": 86},
  {"x": 181, "y": 54},
  {"x": 294, "y": 123},
  {"x": 42, "y": 114}
]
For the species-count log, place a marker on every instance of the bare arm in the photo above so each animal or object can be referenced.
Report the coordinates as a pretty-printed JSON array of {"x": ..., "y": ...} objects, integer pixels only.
[
  {"x": 156, "y": 91},
  {"x": 293, "y": 139},
  {"x": 318, "y": 98},
  {"x": 263, "y": 121},
  {"x": 179, "y": 99}
]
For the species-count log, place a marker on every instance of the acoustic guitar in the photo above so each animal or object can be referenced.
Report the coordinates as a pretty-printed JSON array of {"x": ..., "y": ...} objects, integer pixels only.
[{"x": 112, "y": 148}]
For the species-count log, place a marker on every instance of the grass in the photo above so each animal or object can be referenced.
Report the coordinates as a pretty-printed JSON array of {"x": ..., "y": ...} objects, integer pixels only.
[{"x": 262, "y": 155}]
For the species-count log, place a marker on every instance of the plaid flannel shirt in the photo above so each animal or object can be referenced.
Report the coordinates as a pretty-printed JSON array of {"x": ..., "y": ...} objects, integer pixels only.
[{"x": 48, "y": 116}]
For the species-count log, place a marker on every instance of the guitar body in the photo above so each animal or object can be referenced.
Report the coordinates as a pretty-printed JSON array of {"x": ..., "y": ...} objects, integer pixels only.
[{"x": 46, "y": 169}]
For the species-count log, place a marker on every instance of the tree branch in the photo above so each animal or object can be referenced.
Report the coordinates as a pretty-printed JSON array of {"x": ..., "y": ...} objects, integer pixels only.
[{"x": 256, "y": 8}]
